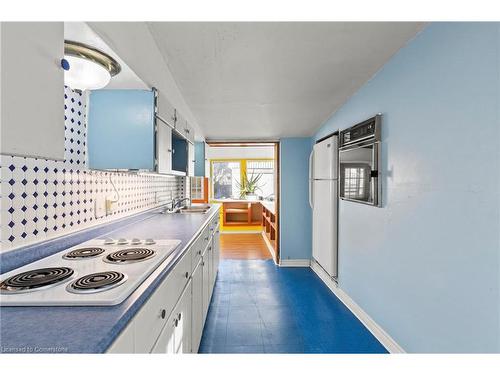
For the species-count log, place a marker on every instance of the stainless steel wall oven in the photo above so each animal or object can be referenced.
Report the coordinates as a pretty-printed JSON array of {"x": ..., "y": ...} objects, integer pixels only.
[{"x": 359, "y": 162}]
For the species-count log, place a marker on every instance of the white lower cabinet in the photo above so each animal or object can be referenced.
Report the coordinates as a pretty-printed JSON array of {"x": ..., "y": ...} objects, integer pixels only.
[
  {"x": 215, "y": 255},
  {"x": 125, "y": 342},
  {"x": 197, "y": 306},
  {"x": 172, "y": 319},
  {"x": 175, "y": 336},
  {"x": 205, "y": 263}
]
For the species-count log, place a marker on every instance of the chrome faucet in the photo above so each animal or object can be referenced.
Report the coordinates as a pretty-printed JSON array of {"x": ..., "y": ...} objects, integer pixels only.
[{"x": 176, "y": 202}]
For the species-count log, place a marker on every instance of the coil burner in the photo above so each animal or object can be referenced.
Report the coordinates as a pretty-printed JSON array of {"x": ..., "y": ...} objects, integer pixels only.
[
  {"x": 97, "y": 282},
  {"x": 131, "y": 255},
  {"x": 35, "y": 279},
  {"x": 84, "y": 253}
]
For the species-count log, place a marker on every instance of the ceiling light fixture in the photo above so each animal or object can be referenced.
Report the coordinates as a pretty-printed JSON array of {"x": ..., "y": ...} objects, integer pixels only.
[{"x": 86, "y": 67}]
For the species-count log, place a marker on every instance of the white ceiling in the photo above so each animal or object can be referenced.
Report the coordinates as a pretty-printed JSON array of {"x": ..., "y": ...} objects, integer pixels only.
[{"x": 270, "y": 80}]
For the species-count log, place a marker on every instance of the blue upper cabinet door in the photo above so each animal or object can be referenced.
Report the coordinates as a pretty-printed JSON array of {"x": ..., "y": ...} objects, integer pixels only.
[{"x": 121, "y": 131}]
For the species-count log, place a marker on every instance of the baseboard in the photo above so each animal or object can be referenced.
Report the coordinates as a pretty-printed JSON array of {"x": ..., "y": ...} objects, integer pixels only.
[
  {"x": 295, "y": 262},
  {"x": 377, "y": 331},
  {"x": 269, "y": 247}
]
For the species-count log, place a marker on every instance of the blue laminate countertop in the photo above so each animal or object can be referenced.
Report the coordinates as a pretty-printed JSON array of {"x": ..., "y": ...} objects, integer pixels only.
[{"x": 92, "y": 329}]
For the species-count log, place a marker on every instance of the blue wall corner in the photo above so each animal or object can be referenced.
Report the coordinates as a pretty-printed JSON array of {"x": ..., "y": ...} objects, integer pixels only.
[
  {"x": 199, "y": 156},
  {"x": 295, "y": 212}
]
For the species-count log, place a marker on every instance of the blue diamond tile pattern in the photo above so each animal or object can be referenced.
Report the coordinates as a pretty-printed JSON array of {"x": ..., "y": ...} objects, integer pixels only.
[{"x": 45, "y": 199}]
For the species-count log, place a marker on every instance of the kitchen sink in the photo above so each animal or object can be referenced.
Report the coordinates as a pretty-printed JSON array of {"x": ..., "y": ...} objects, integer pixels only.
[{"x": 195, "y": 209}]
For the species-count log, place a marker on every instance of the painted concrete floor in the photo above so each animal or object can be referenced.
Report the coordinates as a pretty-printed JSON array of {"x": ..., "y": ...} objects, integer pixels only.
[{"x": 258, "y": 307}]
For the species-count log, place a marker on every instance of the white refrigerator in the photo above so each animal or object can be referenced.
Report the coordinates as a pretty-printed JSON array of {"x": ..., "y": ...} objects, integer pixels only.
[{"x": 323, "y": 198}]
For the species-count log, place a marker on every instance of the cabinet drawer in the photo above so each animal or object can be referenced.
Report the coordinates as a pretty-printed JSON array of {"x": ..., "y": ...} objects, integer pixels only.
[
  {"x": 214, "y": 223},
  {"x": 199, "y": 246},
  {"x": 153, "y": 315}
]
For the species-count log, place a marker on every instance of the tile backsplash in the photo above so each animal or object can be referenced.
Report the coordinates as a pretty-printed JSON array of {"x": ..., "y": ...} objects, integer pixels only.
[{"x": 42, "y": 199}]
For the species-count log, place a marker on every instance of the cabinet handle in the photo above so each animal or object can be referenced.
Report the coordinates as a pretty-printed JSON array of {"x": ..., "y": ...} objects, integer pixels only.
[
  {"x": 199, "y": 252},
  {"x": 187, "y": 275},
  {"x": 206, "y": 238},
  {"x": 180, "y": 316},
  {"x": 176, "y": 323},
  {"x": 187, "y": 131},
  {"x": 202, "y": 264},
  {"x": 210, "y": 248},
  {"x": 163, "y": 313},
  {"x": 169, "y": 150}
]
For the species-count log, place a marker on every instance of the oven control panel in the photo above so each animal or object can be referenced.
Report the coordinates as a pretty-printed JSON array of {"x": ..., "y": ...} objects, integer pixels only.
[{"x": 366, "y": 130}]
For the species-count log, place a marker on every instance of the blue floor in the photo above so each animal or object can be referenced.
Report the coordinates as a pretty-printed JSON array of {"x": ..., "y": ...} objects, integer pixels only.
[{"x": 258, "y": 307}]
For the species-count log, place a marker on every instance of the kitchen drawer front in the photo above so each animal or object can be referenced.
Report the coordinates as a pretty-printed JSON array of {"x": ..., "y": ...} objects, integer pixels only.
[
  {"x": 153, "y": 315},
  {"x": 214, "y": 223},
  {"x": 200, "y": 245}
]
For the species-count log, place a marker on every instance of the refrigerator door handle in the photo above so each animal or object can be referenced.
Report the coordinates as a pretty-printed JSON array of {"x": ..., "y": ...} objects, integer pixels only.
[{"x": 311, "y": 200}]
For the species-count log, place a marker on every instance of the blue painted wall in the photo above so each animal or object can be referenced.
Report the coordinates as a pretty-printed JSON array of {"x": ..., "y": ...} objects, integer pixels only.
[
  {"x": 199, "y": 157},
  {"x": 426, "y": 265},
  {"x": 295, "y": 212}
]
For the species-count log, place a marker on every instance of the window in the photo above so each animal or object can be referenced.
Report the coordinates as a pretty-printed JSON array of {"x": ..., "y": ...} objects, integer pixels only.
[
  {"x": 266, "y": 169},
  {"x": 226, "y": 175}
]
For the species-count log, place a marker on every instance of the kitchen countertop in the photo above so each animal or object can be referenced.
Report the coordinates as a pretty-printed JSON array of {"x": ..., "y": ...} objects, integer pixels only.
[{"x": 92, "y": 329}]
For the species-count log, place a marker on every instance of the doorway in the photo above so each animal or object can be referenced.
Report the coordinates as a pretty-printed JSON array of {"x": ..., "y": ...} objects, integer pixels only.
[{"x": 244, "y": 179}]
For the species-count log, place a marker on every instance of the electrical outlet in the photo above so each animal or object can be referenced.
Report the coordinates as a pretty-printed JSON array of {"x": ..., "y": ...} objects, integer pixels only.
[
  {"x": 110, "y": 205},
  {"x": 100, "y": 206}
]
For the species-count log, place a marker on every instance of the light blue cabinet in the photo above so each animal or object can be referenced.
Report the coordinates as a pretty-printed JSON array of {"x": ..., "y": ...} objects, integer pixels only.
[{"x": 121, "y": 129}]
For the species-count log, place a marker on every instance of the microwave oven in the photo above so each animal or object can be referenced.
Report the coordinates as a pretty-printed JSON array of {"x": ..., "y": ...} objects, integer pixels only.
[{"x": 359, "y": 155}]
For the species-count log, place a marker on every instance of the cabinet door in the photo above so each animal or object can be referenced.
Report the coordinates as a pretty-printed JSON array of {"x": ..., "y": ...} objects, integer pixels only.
[
  {"x": 121, "y": 132},
  {"x": 206, "y": 283},
  {"x": 207, "y": 160},
  {"x": 182, "y": 335},
  {"x": 210, "y": 252},
  {"x": 164, "y": 147},
  {"x": 179, "y": 153},
  {"x": 191, "y": 159},
  {"x": 215, "y": 254},
  {"x": 189, "y": 131},
  {"x": 197, "y": 307},
  {"x": 180, "y": 122},
  {"x": 166, "y": 110},
  {"x": 125, "y": 342},
  {"x": 32, "y": 89},
  {"x": 166, "y": 340}
]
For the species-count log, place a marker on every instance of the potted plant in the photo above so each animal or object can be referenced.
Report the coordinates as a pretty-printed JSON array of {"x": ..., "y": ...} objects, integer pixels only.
[{"x": 249, "y": 186}]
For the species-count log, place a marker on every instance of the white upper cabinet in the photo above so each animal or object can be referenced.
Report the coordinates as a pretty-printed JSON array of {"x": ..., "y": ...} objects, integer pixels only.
[
  {"x": 164, "y": 147},
  {"x": 183, "y": 127},
  {"x": 32, "y": 89},
  {"x": 166, "y": 110}
]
